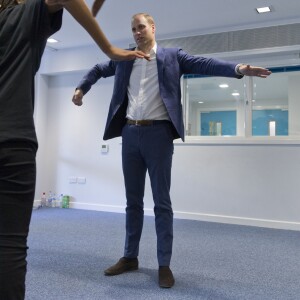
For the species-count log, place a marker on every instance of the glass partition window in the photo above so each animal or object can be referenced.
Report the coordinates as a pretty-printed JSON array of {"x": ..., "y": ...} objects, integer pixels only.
[
  {"x": 214, "y": 106},
  {"x": 276, "y": 105},
  {"x": 218, "y": 106}
]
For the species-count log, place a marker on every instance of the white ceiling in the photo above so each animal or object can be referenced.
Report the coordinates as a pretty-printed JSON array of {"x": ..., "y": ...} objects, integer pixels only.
[{"x": 176, "y": 18}]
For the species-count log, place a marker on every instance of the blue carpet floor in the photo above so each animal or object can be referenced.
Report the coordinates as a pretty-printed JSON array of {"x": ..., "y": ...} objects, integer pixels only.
[{"x": 69, "y": 249}]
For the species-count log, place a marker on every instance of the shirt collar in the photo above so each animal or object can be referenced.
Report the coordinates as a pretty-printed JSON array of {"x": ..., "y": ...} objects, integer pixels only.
[{"x": 153, "y": 50}]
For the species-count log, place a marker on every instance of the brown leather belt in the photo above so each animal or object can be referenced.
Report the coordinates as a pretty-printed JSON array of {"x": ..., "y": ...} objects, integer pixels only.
[{"x": 146, "y": 122}]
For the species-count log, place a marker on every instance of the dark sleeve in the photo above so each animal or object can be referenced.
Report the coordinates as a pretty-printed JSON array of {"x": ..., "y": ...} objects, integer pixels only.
[
  {"x": 93, "y": 75},
  {"x": 45, "y": 23},
  {"x": 49, "y": 22},
  {"x": 190, "y": 64}
]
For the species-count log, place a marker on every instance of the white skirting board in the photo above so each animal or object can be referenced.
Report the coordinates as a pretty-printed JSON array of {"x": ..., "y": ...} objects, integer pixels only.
[{"x": 276, "y": 224}]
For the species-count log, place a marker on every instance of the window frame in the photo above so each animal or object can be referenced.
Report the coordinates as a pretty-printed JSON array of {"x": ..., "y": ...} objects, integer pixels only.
[{"x": 248, "y": 138}]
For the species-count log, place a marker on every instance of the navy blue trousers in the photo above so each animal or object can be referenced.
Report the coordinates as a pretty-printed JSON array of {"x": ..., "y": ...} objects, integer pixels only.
[
  {"x": 17, "y": 185},
  {"x": 148, "y": 148}
]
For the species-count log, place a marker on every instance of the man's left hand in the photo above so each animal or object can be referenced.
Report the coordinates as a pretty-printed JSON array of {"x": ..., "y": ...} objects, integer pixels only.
[{"x": 254, "y": 71}]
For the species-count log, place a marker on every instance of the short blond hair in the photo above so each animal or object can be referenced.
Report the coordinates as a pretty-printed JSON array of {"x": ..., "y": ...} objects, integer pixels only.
[{"x": 149, "y": 18}]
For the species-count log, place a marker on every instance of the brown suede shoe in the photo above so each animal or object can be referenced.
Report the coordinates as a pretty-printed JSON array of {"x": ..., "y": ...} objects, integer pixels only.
[
  {"x": 123, "y": 265},
  {"x": 165, "y": 277}
]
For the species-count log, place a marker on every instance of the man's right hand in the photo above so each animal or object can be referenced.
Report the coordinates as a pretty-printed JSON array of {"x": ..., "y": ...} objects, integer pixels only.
[{"x": 77, "y": 97}]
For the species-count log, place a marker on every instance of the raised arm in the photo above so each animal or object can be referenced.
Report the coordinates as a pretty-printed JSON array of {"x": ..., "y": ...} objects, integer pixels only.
[{"x": 81, "y": 13}]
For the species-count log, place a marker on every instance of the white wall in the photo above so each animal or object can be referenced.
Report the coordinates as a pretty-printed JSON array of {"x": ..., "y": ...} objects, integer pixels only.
[{"x": 242, "y": 184}]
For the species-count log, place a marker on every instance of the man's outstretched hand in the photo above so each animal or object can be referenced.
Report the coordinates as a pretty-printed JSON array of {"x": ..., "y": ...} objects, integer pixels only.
[{"x": 254, "y": 71}]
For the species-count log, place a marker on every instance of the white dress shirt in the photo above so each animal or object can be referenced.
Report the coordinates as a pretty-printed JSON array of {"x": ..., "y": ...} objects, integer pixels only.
[{"x": 144, "y": 100}]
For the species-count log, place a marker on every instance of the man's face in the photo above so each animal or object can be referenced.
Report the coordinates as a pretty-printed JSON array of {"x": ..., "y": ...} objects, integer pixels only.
[{"x": 142, "y": 31}]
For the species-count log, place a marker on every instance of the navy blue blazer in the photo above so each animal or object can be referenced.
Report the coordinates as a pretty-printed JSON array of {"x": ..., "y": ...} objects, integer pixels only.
[{"x": 172, "y": 63}]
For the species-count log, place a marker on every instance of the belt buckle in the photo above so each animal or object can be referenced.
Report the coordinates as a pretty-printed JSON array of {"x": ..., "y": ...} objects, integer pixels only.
[{"x": 137, "y": 123}]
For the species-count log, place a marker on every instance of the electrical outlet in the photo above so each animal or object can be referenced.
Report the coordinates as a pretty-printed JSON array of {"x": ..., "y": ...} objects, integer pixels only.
[
  {"x": 72, "y": 179},
  {"x": 81, "y": 180}
]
